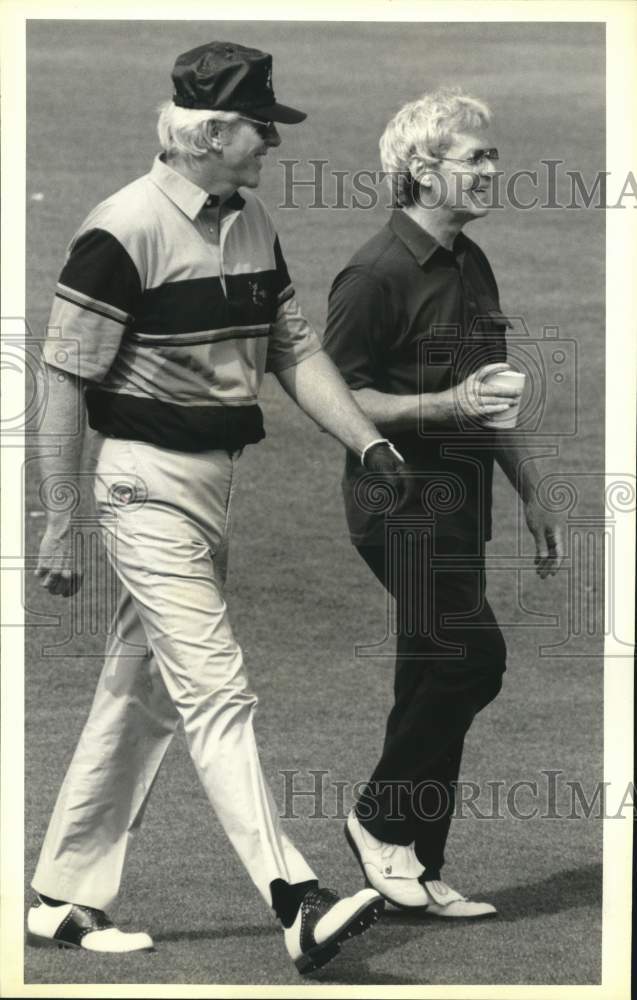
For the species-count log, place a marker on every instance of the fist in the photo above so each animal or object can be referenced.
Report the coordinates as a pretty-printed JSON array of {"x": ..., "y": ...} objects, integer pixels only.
[
  {"x": 383, "y": 458},
  {"x": 56, "y": 570}
]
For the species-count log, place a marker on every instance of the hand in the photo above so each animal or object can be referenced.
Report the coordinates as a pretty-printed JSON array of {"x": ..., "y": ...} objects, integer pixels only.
[
  {"x": 55, "y": 568},
  {"x": 383, "y": 459},
  {"x": 478, "y": 400},
  {"x": 547, "y": 532}
]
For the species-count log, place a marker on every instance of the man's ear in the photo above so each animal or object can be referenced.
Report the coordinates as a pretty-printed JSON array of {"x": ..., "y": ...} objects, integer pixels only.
[
  {"x": 212, "y": 128},
  {"x": 420, "y": 171}
]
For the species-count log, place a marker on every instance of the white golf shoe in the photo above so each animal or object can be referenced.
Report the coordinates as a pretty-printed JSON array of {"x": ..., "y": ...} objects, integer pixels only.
[
  {"x": 395, "y": 872},
  {"x": 325, "y": 921},
  {"x": 74, "y": 926},
  {"x": 391, "y": 869},
  {"x": 449, "y": 904}
]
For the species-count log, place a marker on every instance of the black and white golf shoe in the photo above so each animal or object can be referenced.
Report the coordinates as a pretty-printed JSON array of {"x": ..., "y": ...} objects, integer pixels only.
[
  {"x": 74, "y": 926},
  {"x": 325, "y": 921}
]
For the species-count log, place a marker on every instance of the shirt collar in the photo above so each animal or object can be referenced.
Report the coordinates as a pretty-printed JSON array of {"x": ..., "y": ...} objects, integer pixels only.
[
  {"x": 188, "y": 197},
  {"x": 417, "y": 240}
]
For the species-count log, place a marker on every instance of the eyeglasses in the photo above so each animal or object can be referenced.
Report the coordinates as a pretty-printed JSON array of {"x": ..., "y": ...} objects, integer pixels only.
[
  {"x": 477, "y": 158},
  {"x": 262, "y": 128}
]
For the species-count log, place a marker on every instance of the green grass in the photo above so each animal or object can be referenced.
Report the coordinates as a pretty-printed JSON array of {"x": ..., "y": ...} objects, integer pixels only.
[{"x": 300, "y": 598}]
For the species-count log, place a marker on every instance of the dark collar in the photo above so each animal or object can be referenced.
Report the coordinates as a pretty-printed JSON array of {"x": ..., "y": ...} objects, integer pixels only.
[
  {"x": 417, "y": 240},
  {"x": 235, "y": 201}
]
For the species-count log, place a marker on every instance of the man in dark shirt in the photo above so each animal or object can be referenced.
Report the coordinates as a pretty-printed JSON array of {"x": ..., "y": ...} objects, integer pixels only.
[{"x": 416, "y": 329}]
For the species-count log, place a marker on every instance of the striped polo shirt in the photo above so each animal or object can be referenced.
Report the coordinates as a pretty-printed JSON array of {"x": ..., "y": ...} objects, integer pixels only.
[{"x": 172, "y": 321}]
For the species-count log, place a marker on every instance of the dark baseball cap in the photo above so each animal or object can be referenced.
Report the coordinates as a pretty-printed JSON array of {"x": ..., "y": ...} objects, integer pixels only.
[{"x": 223, "y": 76}]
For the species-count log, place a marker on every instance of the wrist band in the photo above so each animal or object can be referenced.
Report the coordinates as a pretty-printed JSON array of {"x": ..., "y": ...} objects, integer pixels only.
[{"x": 372, "y": 444}]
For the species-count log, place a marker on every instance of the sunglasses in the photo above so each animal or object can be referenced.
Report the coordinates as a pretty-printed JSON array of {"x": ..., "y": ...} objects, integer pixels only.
[
  {"x": 264, "y": 129},
  {"x": 478, "y": 157}
]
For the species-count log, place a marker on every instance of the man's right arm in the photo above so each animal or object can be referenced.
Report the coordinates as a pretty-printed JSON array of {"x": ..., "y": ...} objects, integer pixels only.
[
  {"x": 63, "y": 431},
  {"x": 98, "y": 293},
  {"x": 358, "y": 338},
  {"x": 404, "y": 413},
  {"x": 470, "y": 399}
]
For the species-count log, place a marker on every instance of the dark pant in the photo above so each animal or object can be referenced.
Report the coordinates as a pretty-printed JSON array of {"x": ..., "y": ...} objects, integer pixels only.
[{"x": 450, "y": 658}]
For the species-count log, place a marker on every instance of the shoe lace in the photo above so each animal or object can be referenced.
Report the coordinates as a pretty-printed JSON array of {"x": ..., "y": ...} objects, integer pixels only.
[
  {"x": 441, "y": 887},
  {"x": 437, "y": 883}
]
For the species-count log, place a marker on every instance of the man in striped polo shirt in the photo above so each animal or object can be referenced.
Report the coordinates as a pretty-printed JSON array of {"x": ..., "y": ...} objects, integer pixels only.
[{"x": 173, "y": 302}]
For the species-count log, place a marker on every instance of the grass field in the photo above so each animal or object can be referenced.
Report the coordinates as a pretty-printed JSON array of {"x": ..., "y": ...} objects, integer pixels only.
[{"x": 299, "y": 598}]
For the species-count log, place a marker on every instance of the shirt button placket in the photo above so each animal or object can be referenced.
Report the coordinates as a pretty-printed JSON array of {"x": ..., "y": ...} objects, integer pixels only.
[{"x": 214, "y": 228}]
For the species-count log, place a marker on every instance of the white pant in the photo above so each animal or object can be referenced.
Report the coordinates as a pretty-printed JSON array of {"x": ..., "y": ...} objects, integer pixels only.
[{"x": 165, "y": 522}]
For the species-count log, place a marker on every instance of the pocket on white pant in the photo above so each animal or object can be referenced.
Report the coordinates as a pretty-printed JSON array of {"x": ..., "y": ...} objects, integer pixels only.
[{"x": 118, "y": 482}]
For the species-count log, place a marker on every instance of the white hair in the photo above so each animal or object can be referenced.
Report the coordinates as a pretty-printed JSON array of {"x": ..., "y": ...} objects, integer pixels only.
[
  {"x": 426, "y": 128},
  {"x": 189, "y": 131}
]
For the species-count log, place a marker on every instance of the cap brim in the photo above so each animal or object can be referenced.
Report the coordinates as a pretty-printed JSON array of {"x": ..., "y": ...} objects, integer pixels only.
[{"x": 281, "y": 113}]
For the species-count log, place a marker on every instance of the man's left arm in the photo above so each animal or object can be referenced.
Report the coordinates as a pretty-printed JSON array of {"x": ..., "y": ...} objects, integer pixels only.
[
  {"x": 544, "y": 525},
  {"x": 316, "y": 385},
  {"x": 310, "y": 378},
  {"x": 521, "y": 471}
]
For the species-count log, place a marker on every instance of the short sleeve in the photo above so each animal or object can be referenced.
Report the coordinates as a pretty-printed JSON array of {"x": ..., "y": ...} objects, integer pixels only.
[
  {"x": 95, "y": 300},
  {"x": 292, "y": 339},
  {"x": 283, "y": 282},
  {"x": 492, "y": 324},
  {"x": 487, "y": 270},
  {"x": 357, "y": 325}
]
